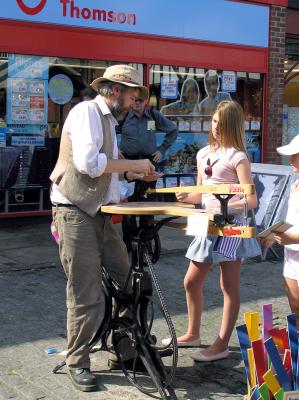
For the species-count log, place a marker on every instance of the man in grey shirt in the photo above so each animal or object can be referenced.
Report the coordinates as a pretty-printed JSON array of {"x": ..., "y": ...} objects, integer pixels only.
[
  {"x": 138, "y": 138},
  {"x": 139, "y": 132}
]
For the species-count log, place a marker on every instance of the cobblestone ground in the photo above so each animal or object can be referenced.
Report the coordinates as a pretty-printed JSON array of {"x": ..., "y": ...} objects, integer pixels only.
[{"x": 32, "y": 315}]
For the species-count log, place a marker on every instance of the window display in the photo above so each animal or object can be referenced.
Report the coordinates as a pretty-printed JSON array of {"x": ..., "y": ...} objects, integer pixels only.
[
  {"x": 36, "y": 94},
  {"x": 198, "y": 92}
]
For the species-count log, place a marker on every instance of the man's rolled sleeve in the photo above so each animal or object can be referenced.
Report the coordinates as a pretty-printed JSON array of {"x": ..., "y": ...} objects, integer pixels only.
[{"x": 86, "y": 133}]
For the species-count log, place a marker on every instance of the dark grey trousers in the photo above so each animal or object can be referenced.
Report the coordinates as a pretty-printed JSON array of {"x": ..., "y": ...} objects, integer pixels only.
[{"x": 85, "y": 245}]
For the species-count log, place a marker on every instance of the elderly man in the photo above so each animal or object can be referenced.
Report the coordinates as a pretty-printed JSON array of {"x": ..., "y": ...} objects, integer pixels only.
[{"x": 85, "y": 178}]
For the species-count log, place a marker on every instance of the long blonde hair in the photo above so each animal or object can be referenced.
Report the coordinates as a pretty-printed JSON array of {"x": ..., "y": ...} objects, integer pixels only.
[{"x": 230, "y": 126}]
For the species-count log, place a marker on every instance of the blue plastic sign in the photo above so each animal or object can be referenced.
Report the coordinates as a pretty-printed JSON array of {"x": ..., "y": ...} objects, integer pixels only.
[
  {"x": 23, "y": 66},
  {"x": 61, "y": 89},
  {"x": 212, "y": 20}
]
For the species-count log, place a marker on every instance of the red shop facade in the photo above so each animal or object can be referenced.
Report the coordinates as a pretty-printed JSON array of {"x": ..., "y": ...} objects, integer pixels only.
[{"x": 194, "y": 53}]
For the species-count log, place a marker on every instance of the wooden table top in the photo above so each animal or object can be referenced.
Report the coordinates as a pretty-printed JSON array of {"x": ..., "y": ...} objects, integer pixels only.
[{"x": 153, "y": 208}]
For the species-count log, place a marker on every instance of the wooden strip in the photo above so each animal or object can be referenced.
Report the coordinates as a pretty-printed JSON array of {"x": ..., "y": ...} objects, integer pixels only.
[
  {"x": 259, "y": 359},
  {"x": 296, "y": 385},
  {"x": 220, "y": 188},
  {"x": 245, "y": 344},
  {"x": 267, "y": 320},
  {"x": 251, "y": 319},
  {"x": 251, "y": 368},
  {"x": 264, "y": 391},
  {"x": 255, "y": 395},
  {"x": 279, "y": 395},
  {"x": 238, "y": 231},
  {"x": 271, "y": 381},
  {"x": 280, "y": 338},
  {"x": 287, "y": 362},
  {"x": 292, "y": 334},
  {"x": 281, "y": 374}
]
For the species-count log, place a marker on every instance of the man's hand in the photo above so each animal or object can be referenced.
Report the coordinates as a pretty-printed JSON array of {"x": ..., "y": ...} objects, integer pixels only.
[
  {"x": 286, "y": 238},
  {"x": 142, "y": 167},
  {"x": 142, "y": 177},
  {"x": 152, "y": 177},
  {"x": 120, "y": 155},
  {"x": 157, "y": 156}
]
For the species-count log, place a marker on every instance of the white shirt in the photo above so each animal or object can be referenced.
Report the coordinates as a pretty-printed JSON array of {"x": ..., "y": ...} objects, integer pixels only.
[
  {"x": 293, "y": 213},
  {"x": 85, "y": 129}
]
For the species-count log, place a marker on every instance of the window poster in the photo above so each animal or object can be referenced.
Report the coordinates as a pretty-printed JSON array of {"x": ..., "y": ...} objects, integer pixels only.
[
  {"x": 254, "y": 145},
  {"x": 2, "y": 134},
  {"x": 206, "y": 126},
  {"x": 27, "y": 98},
  {"x": 29, "y": 140},
  {"x": 255, "y": 125},
  {"x": 180, "y": 158},
  {"x": 61, "y": 89},
  {"x": 169, "y": 87},
  {"x": 23, "y": 66},
  {"x": 229, "y": 81},
  {"x": 27, "y": 101}
]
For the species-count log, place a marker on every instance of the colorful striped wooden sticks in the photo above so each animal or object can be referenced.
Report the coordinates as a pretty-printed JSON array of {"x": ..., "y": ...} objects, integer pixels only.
[{"x": 270, "y": 356}]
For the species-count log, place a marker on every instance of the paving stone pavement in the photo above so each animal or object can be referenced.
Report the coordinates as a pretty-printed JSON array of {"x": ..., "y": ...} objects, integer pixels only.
[{"x": 33, "y": 317}]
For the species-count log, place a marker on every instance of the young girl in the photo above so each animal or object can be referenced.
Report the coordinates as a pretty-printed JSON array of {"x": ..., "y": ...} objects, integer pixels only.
[
  {"x": 290, "y": 238},
  {"x": 224, "y": 160}
]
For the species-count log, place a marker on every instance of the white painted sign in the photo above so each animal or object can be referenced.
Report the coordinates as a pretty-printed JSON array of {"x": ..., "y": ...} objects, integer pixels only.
[{"x": 229, "y": 81}]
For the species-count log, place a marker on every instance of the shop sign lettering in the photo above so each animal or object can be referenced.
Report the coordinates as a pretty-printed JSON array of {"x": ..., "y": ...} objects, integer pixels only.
[
  {"x": 71, "y": 9},
  {"x": 152, "y": 17}
]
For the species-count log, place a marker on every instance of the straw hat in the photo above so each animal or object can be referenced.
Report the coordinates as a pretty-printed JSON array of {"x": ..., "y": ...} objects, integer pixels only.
[
  {"x": 124, "y": 74},
  {"x": 291, "y": 148}
]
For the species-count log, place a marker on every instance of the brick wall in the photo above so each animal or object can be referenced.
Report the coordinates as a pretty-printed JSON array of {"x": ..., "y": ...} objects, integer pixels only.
[{"x": 275, "y": 83}]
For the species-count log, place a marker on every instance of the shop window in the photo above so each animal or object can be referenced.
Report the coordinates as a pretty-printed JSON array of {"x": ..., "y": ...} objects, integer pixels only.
[
  {"x": 189, "y": 96},
  {"x": 36, "y": 94}
]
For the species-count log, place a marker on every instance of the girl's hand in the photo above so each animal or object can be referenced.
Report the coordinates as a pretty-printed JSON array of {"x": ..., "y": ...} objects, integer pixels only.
[
  {"x": 181, "y": 196},
  {"x": 286, "y": 238},
  {"x": 267, "y": 242}
]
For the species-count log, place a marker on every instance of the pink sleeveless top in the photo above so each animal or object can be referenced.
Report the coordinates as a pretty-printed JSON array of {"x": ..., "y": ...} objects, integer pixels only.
[{"x": 224, "y": 163}]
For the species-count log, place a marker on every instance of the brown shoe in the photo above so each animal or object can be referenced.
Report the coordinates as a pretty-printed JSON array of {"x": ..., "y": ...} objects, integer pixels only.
[{"x": 83, "y": 379}]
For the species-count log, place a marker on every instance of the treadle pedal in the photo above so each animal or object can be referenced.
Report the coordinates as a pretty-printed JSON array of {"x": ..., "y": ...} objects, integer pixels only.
[
  {"x": 165, "y": 353},
  {"x": 59, "y": 367},
  {"x": 97, "y": 347}
]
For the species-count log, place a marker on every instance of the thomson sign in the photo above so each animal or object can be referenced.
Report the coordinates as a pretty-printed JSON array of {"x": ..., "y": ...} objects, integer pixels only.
[
  {"x": 212, "y": 20},
  {"x": 73, "y": 9}
]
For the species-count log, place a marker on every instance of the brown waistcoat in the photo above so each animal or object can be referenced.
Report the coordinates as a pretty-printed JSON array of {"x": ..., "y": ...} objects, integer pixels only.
[{"x": 80, "y": 189}]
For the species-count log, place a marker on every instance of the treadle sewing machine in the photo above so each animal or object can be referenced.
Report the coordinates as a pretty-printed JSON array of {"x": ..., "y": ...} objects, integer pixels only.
[{"x": 137, "y": 330}]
